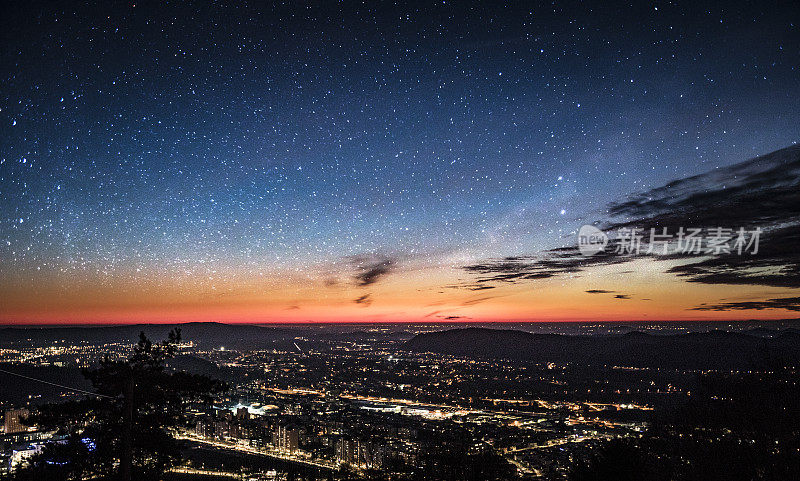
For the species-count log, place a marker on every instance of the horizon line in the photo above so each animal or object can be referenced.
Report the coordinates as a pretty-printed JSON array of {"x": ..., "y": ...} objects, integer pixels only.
[{"x": 441, "y": 322}]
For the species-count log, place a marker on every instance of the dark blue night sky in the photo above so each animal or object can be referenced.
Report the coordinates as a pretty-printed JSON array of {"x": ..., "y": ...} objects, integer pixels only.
[{"x": 138, "y": 143}]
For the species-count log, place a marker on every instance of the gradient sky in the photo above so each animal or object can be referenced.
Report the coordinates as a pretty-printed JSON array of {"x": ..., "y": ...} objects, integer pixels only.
[{"x": 349, "y": 161}]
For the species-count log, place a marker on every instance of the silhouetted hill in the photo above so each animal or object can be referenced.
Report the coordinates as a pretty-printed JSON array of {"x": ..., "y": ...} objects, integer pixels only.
[
  {"x": 208, "y": 334},
  {"x": 707, "y": 350},
  {"x": 195, "y": 365},
  {"x": 364, "y": 335}
]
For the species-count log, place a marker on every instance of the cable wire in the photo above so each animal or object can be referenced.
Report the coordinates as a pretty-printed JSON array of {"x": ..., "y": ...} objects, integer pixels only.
[{"x": 57, "y": 385}]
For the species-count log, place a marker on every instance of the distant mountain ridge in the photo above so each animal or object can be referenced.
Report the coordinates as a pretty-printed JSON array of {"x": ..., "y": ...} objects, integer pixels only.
[
  {"x": 705, "y": 350},
  {"x": 202, "y": 333}
]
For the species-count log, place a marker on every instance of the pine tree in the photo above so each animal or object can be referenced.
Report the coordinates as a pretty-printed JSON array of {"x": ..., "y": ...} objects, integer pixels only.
[{"x": 125, "y": 432}]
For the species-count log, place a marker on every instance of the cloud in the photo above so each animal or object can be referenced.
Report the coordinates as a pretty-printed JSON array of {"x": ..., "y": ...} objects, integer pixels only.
[
  {"x": 752, "y": 192},
  {"x": 603, "y": 291},
  {"x": 445, "y": 317},
  {"x": 789, "y": 303},
  {"x": 763, "y": 192},
  {"x": 777, "y": 263},
  {"x": 476, "y": 300},
  {"x": 551, "y": 263},
  {"x": 370, "y": 268},
  {"x": 470, "y": 286},
  {"x": 364, "y": 300}
]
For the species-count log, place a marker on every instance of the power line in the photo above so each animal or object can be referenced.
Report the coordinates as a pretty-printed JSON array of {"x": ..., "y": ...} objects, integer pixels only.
[{"x": 57, "y": 385}]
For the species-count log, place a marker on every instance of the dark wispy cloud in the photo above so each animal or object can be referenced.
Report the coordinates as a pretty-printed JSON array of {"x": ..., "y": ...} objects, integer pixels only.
[
  {"x": 763, "y": 192},
  {"x": 604, "y": 291},
  {"x": 777, "y": 263},
  {"x": 759, "y": 191},
  {"x": 566, "y": 260},
  {"x": 789, "y": 303},
  {"x": 476, "y": 300},
  {"x": 370, "y": 268},
  {"x": 447, "y": 317},
  {"x": 470, "y": 286},
  {"x": 364, "y": 300}
]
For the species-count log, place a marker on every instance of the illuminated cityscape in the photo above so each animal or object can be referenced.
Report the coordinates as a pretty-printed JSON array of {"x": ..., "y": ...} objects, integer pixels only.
[{"x": 341, "y": 401}]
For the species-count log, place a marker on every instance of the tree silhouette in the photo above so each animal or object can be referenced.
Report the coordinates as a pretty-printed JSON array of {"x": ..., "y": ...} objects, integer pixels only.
[{"x": 125, "y": 432}]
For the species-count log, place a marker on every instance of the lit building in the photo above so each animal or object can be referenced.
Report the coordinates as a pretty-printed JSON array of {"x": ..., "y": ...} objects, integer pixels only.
[
  {"x": 20, "y": 456},
  {"x": 286, "y": 438},
  {"x": 346, "y": 451},
  {"x": 13, "y": 421},
  {"x": 359, "y": 453}
]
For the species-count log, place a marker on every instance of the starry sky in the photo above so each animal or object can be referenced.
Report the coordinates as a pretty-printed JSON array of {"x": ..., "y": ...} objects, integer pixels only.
[{"x": 354, "y": 161}]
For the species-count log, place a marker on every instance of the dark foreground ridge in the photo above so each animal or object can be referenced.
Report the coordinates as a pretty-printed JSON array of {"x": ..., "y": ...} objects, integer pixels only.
[{"x": 708, "y": 350}]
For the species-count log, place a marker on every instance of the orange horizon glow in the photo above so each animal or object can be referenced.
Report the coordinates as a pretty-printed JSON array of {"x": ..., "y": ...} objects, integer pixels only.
[{"x": 414, "y": 295}]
